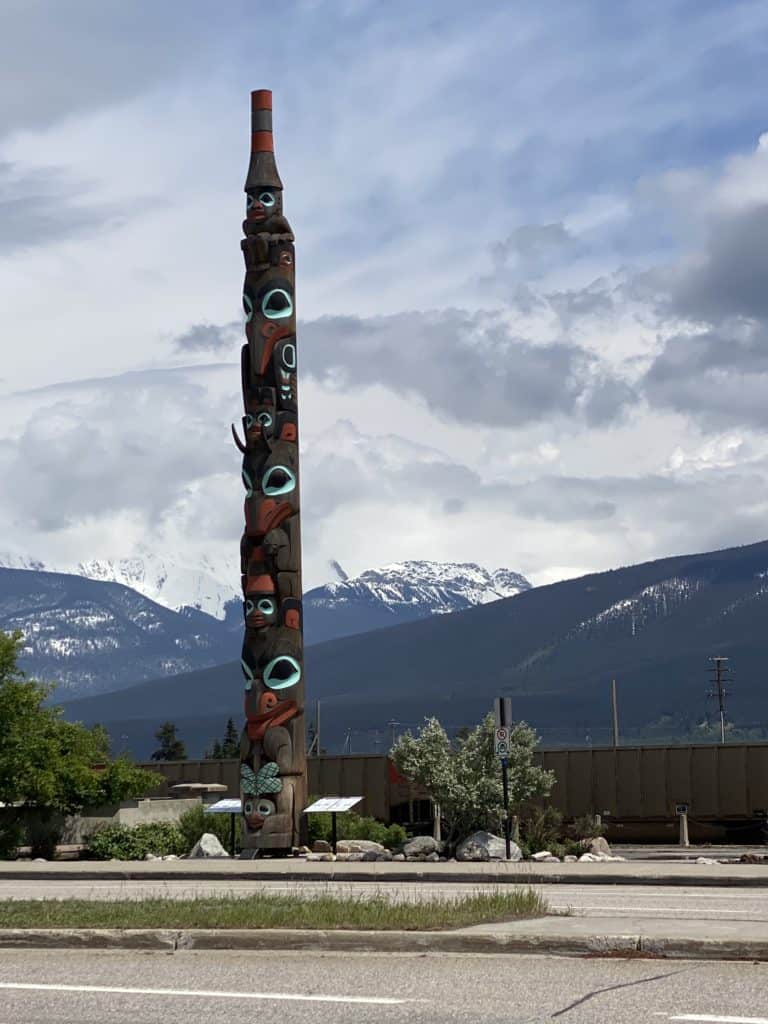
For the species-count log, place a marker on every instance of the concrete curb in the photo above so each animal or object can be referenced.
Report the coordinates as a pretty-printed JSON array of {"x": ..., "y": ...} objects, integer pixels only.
[
  {"x": 358, "y": 875},
  {"x": 617, "y": 945}
]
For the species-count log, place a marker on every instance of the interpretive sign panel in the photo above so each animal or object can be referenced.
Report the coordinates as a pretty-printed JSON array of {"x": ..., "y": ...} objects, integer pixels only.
[{"x": 334, "y": 804}]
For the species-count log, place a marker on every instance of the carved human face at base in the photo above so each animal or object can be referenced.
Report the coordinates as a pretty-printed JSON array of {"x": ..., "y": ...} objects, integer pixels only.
[{"x": 256, "y": 810}]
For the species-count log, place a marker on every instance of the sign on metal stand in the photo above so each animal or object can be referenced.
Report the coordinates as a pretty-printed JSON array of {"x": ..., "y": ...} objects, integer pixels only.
[
  {"x": 335, "y": 805},
  {"x": 234, "y": 809},
  {"x": 502, "y": 708}
]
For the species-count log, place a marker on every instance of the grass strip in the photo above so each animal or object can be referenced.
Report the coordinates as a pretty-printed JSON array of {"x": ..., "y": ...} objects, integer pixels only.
[{"x": 375, "y": 912}]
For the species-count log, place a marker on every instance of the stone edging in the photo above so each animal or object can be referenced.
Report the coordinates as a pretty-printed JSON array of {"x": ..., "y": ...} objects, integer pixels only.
[
  {"x": 432, "y": 874},
  {"x": 619, "y": 945}
]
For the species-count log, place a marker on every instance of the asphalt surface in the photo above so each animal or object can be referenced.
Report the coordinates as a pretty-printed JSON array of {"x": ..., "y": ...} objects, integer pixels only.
[
  {"x": 70, "y": 987},
  {"x": 615, "y": 901}
]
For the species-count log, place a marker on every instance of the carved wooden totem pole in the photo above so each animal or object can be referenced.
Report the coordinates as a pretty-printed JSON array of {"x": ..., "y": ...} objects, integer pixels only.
[{"x": 273, "y": 762}]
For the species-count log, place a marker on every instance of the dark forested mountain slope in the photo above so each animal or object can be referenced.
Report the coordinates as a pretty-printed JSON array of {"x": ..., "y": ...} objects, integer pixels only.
[
  {"x": 89, "y": 636},
  {"x": 553, "y": 649}
]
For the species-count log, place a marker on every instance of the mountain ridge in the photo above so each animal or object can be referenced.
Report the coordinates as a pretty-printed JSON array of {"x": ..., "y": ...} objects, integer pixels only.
[
  {"x": 71, "y": 626},
  {"x": 554, "y": 649}
]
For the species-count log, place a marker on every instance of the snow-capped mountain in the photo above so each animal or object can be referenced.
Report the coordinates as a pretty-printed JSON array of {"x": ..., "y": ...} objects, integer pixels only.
[
  {"x": 169, "y": 583},
  {"x": 402, "y": 592},
  {"x": 554, "y": 650},
  {"x": 166, "y": 581},
  {"x": 88, "y": 636},
  {"x": 104, "y": 624}
]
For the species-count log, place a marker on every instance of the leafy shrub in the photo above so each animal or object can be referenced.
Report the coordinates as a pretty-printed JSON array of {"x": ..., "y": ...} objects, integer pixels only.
[
  {"x": 586, "y": 828},
  {"x": 134, "y": 843},
  {"x": 355, "y": 826},
  {"x": 541, "y": 829},
  {"x": 194, "y": 822}
]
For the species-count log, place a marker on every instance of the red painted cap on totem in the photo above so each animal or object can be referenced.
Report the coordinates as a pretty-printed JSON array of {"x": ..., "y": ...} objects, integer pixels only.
[{"x": 262, "y": 170}]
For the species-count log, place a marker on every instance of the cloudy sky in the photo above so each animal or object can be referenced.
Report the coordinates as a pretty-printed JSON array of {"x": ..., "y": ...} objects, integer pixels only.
[{"x": 532, "y": 276}]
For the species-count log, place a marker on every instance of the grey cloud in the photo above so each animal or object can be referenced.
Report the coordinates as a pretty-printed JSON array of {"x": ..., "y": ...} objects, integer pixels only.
[
  {"x": 65, "y": 58},
  {"x": 597, "y": 299},
  {"x": 41, "y": 207},
  {"x": 732, "y": 278},
  {"x": 466, "y": 366},
  {"x": 531, "y": 244},
  {"x": 137, "y": 443},
  {"x": 719, "y": 375},
  {"x": 209, "y": 337}
]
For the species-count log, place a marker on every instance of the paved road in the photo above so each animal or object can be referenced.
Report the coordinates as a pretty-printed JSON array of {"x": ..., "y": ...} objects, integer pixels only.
[
  {"x": 130, "y": 988},
  {"x": 662, "y": 902}
]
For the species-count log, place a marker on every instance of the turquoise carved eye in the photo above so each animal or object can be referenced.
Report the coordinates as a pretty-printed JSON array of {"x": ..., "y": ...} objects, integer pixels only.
[
  {"x": 248, "y": 307},
  {"x": 278, "y": 480},
  {"x": 247, "y": 483},
  {"x": 282, "y": 672},
  {"x": 276, "y": 304},
  {"x": 266, "y": 606},
  {"x": 288, "y": 356},
  {"x": 267, "y": 199},
  {"x": 264, "y": 419}
]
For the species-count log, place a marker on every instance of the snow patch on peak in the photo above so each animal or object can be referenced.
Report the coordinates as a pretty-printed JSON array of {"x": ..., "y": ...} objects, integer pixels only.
[
  {"x": 653, "y": 602},
  {"x": 434, "y": 588},
  {"x": 168, "y": 582},
  {"x": 165, "y": 581}
]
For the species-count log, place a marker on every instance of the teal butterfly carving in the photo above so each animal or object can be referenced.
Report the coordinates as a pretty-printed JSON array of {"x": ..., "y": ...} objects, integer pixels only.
[{"x": 267, "y": 780}]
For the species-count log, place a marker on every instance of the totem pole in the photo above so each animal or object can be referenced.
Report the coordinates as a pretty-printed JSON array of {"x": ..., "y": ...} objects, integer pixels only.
[{"x": 273, "y": 762}]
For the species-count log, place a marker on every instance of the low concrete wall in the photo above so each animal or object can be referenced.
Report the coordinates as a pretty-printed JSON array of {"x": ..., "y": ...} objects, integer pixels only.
[{"x": 78, "y": 827}]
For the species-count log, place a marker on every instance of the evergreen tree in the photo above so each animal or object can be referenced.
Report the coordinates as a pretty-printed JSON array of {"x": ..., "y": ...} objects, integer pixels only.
[
  {"x": 171, "y": 747},
  {"x": 230, "y": 746},
  {"x": 226, "y": 748}
]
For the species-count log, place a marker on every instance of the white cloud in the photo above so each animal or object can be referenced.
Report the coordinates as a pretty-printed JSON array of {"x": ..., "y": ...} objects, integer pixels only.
[{"x": 495, "y": 217}]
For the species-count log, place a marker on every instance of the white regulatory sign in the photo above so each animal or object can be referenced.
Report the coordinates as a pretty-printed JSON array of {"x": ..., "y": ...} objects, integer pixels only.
[{"x": 501, "y": 746}]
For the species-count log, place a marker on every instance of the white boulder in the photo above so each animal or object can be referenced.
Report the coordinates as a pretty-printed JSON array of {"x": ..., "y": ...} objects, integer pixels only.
[
  {"x": 486, "y": 846},
  {"x": 208, "y": 846},
  {"x": 421, "y": 846}
]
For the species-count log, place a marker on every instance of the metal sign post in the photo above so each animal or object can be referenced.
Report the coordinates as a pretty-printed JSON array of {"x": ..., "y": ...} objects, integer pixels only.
[
  {"x": 234, "y": 809},
  {"x": 502, "y": 707}
]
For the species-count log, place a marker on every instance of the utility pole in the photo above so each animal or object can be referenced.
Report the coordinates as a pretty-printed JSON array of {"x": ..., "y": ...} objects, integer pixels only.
[
  {"x": 376, "y": 741},
  {"x": 615, "y": 710},
  {"x": 719, "y": 679},
  {"x": 393, "y": 726},
  {"x": 314, "y": 731},
  {"x": 347, "y": 743},
  {"x": 502, "y": 709}
]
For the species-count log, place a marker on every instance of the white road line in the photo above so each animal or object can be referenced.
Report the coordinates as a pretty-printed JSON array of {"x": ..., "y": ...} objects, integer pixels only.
[
  {"x": 204, "y": 994},
  {"x": 631, "y": 908},
  {"x": 714, "y": 1019}
]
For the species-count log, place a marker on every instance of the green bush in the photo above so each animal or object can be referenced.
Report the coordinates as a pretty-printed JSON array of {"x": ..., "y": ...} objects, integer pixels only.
[
  {"x": 194, "y": 822},
  {"x": 586, "y": 828},
  {"x": 541, "y": 829},
  {"x": 124, "y": 842},
  {"x": 355, "y": 826}
]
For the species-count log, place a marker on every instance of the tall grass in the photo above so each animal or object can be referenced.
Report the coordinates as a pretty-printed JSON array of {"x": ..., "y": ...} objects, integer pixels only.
[{"x": 375, "y": 912}]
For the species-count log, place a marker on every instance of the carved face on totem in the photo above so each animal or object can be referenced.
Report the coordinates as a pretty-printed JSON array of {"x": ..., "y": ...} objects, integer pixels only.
[
  {"x": 274, "y": 657},
  {"x": 256, "y": 810},
  {"x": 262, "y": 204},
  {"x": 260, "y": 602}
]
